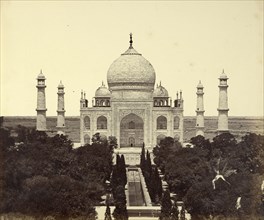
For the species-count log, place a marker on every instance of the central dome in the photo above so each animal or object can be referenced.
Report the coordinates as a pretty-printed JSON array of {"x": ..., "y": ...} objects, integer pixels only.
[{"x": 131, "y": 71}]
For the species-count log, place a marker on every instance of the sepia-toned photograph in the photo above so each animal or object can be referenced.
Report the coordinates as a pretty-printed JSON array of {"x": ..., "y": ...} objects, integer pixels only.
[{"x": 131, "y": 110}]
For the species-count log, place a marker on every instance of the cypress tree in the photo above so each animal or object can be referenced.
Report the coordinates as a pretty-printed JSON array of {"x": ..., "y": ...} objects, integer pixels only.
[
  {"x": 182, "y": 213},
  {"x": 120, "y": 212},
  {"x": 114, "y": 180},
  {"x": 143, "y": 158},
  {"x": 123, "y": 170},
  {"x": 148, "y": 171},
  {"x": 118, "y": 161},
  {"x": 175, "y": 212},
  {"x": 148, "y": 163},
  {"x": 158, "y": 185},
  {"x": 165, "y": 206},
  {"x": 108, "y": 213}
]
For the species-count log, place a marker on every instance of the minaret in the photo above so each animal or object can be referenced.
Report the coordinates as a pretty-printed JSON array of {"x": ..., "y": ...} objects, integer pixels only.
[
  {"x": 200, "y": 110},
  {"x": 41, "y": 103},
  {"x": 223, "y": 104},
  {"x": 60, "y": 110}
]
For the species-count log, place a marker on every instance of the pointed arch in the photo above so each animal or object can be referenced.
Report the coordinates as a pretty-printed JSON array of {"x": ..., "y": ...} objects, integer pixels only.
[
  {"x": 161, "y": 122},
  {"x": 176, "y": 122},
  {"x": 87, "y": 139},
  {"x": 131, "y": 125},
  {"x": 86, "y": 122},
  {"x": 102, "y": 122},
  {"x": 131, "y": 131}
]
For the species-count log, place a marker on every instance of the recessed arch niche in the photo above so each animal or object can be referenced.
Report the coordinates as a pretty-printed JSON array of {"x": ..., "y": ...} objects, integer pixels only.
[{"x": 131, "y": 131}]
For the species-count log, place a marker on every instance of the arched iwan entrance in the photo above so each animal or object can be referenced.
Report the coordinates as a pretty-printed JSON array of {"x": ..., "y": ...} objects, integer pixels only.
[{"x": 131, "y": 131}]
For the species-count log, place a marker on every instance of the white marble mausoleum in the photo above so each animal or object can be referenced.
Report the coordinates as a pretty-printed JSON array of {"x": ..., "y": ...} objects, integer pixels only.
[{"x": 131, "y": 107}]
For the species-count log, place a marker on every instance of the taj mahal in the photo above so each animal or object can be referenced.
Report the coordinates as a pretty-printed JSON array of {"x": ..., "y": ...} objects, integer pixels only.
[{"x": 133, "y": 108}]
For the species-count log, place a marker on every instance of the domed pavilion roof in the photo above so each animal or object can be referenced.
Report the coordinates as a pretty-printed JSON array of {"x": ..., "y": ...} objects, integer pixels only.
[
  {"x": 102, "y": 91},
  {"x": 131, "y": 70},
  {"x": 200, "y": 85},
  {"x": 160, "y": 91},
  {"x": 60, "y": 85},
  {"x": 223, "y": 75},
  {"x": 41, "y": 75}
]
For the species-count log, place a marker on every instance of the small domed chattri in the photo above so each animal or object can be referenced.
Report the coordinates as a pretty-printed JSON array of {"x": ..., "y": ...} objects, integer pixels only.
[
  {"x": 102, "y": 91},
  {"x": 223, "y": 75},
  {"x": 60, "y": 85},
  {"x": 200, "y": 85},
  {"x": 160, "y": 91},
  {"x": 41, "y": 75}
]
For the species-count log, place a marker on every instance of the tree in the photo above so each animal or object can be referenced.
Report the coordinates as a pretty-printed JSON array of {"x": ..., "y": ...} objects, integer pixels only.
[
  {"x": 97, "y": 138},
  {"x": 112, "y": 142},
  {"x": 166, "y": 148},
  {"x": 45, "y": 175},
  {"x": 174, "y": 212},
  {"x": 158, "y": 184},
  {"x": 123, "y": 170},
  {"x": 108, "y": 213},
  {"x": 120, "y": 212},
  {"x": 166, "y": 206},
  {"x": 143, "y": 158},
  {"x": 191, "y": 174},
  {"x": 184, "y": 168},
  {"x": 204, "y": 144}
]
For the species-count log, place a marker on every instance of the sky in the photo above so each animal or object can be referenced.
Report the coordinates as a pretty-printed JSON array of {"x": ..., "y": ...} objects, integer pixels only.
[{"x": 185, "y": 41}]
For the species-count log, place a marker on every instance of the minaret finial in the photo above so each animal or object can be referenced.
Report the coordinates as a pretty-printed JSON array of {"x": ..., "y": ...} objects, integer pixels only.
[
  {"x": 40, "y": 71},
  {"x": 223, "y": 71},
  {"x": 131, "y": 41},
  {"x": 160, "y": 83}
]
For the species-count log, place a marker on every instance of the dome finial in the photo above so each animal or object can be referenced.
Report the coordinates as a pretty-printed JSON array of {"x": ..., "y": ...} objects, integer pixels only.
[
  {"x": 131, "y": 41},
  {"x": 223, "y": 71}
]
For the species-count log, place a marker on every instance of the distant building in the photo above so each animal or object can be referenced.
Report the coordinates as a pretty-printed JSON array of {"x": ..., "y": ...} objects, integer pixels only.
[
  {"x": 200, "y": 110},
  {"x": 41, "y": 103},
  {"x": 131, "y": 109},
  {"x": 223, "y": 104},
  {"x": 60, "y": 110}
]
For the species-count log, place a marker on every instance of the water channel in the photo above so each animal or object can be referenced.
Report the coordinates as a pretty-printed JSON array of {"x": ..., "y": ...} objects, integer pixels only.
[{"x": 135, "y": 191}]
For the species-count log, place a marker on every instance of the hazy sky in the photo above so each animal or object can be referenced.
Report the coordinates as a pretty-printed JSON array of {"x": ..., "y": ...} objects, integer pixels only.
[{"x": 76, "y": 42}]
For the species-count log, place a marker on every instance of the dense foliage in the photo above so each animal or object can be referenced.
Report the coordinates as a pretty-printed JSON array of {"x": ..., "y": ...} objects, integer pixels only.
[
  {"x": 151, "y": 176},
  {"x": 221, "y": 178},
  {"x": 46, "y": 176},
  {"x": 118, "y": 182}
]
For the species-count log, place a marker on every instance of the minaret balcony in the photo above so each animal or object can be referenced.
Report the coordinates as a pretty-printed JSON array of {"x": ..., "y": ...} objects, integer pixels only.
[
  {"x": 223, "y": 86},
  {"x": 223, "y": 109},
  {"x": 199, "y": 111},
  {"x": 61, "y": 111},
  {"x": 41, "y": 109},
  {"x": 41, "y": 86}
]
